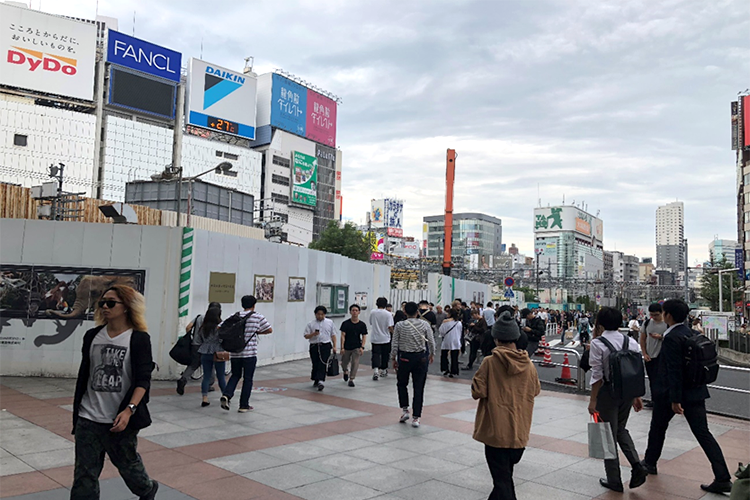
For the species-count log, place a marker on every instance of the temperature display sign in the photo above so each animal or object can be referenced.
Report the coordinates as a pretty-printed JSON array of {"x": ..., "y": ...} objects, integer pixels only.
[{"x": 223, "y": 125}]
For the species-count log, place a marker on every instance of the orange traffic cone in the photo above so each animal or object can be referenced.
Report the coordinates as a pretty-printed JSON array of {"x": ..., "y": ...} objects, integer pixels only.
[
  {"x": 541, "y": 346},
  {"x": 565, "y": 377},
  {"x": 547, "y": 361}
]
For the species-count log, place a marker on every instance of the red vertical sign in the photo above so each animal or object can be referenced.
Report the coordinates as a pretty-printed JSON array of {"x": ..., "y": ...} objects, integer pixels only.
[{"x": 746, "y": 119}]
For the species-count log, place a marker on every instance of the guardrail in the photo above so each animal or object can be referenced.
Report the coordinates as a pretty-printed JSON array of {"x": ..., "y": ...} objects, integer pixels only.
[
  {"x": 580, "y": 374},
  {"x": 731, "y": 389}
]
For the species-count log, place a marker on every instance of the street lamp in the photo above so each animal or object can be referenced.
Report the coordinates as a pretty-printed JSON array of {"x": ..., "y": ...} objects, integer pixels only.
[{"x": 721, "y": 290}]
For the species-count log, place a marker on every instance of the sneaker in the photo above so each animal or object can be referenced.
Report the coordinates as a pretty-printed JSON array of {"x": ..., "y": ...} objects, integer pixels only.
[
  {"x": 181, "y": 383},
  {"x": 450, "y": 375},
  {"x": 346, "y": 376},
  {"x": 316, "y": 383},
  {"x": 224, "y": 403},
  {"x": 320, "y": 387},
  {"x": 375, "y": 376},
  {"x": 415, "y": 422},
  {"x": 351, "y": 383},
  {"x": 245, "y": 410},
  {"x": 151, "y": 494},
  {"x": 445, "y": 374},
  {"x": 404, "y": 417},
  {"x": 384, "y": 373}
]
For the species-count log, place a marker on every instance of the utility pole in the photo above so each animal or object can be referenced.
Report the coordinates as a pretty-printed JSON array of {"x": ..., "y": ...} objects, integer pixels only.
[
  {"x": 721, "y": 288},
  {"x": 687, "y": 293},
  {"x": 450, "y": 178}
]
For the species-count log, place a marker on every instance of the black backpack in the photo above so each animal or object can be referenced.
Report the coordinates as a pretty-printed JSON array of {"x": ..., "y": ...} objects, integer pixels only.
[
  {"x": 232, "y": 333},
  {"x": 626, "y": 371},
  {"x": 701, "y": 361}
]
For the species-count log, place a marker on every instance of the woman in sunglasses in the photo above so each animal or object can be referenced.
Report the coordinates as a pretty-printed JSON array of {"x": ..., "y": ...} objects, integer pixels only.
[{"x": 109, "y": 407}]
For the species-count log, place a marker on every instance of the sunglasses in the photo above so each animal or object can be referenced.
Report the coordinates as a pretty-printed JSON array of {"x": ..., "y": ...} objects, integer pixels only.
[{"x": 109, "y": 303}]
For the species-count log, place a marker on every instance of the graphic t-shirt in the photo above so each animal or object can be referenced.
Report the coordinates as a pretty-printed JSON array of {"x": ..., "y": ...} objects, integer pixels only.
[
  {"x": 110, "y": 376},
  {"x": 354, "y": 333}
]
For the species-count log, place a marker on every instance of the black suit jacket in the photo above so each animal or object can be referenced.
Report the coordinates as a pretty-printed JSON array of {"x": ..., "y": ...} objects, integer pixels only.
[{"x": 670, "y": 381}]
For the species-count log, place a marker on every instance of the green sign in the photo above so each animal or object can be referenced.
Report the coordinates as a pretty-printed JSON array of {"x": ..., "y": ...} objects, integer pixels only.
[{"x": 304, "y": 179}]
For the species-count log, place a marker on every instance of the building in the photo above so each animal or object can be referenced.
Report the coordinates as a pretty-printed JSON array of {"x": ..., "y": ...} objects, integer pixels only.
[
  {"x": 569, "y": 241},
  {"x": 740, "y": 115},
  {"x": 721, "y": 250},
  {"x": 477, "y": 239},
  {"x": 646, "y": 271},
  {"x": 631, "y": 265},
  {"x": 670, "y": 237}
]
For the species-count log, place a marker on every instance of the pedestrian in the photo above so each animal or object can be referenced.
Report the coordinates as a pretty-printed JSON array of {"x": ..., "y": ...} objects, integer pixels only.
[
  {"x": 195, "y": 343},
  {"x": 322, "y": 336},
  {"x": 489, "y": 315},
  {"x": 440, "y": 316},
  {"x": 584, "y": 331},
  {"x": 475, "y": 336},
  {"x": 412, "y": 350},
  {"x": 673, "y": 395},
  {"x": 634, "y": 327},
  {"x": 210, "y": 346},
  {"x": 610, "y": 407},
  {"x": 451, "y": 332},
  {"x": 505, "y": 384},
  {"x": 651, "y": 338},
  {"x": 381, "y": 328},
  {"x": 697, "y": 325},
  {"x": 534, "y": 329},
  {"x": 111, "y": 397},
  {"x": 353, "y": 339},
  {"x": 426, "y": 314},
  {"x": 245, "y": 361}
]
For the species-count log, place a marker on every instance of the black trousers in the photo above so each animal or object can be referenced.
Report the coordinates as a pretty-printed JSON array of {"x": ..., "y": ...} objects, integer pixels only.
[
  {"x": 695, "y": 414},
  {"x": 444, "y": 366},
  {"x": 319, "y": 355},
  {"x": 652, "y": 370},
  {"x": 616, "y": 413},
  {"x": 380, "y": 355},
  {"x": 500, "y": 462},
  {"x": 474, "y": 345},
  {"x": 414, "y": 364}
]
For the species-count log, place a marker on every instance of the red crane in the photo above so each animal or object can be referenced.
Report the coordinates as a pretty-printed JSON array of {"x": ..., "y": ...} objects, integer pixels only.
[{"x": 450, "y": 177}]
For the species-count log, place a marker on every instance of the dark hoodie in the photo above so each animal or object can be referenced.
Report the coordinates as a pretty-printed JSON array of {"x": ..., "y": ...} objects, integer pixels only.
[{"x": 505, "y": 385}]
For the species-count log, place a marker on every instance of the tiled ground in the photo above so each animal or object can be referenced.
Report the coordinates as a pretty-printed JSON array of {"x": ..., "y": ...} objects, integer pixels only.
[{"x": 341, "y": 443}]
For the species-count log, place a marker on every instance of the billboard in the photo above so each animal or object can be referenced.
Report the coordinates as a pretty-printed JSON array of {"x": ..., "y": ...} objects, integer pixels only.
[
  {"x": 138, "y": 92},
  {"x": 321, "y": 119},
  {"x": 567, "y": 218},
  {"x": 745, "y": 111},
  {"x": 220, "y": 99},
  {"x": 143, "y": 56},
  {"x": 47, "y": 53},
  {"x": 734, "y": 113},
  {"x": 377, "y": 213},
  {"x": 394, "y": 212},
  {"x": 288, "y": 105},
  {"x": 304, "y": 179}
]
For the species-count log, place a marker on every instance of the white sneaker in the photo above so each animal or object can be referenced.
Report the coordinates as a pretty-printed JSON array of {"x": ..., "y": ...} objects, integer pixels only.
[
  {"x": 384, "y": 373},
  {"x": 415, "y": 422},
  {"x": 405, "y": 417}
]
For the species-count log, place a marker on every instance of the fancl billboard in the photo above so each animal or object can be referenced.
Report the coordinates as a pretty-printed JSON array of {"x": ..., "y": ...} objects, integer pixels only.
[
  {"x": 221, "y": 99},
  {"x": 304, "y": 179},
  {"x": 46, "y": 53},
  {"x": 143, "y": 56}
]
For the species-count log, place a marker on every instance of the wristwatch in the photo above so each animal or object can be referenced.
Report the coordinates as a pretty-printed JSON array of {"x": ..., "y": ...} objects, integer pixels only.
[{"x": 132, "y": 408}]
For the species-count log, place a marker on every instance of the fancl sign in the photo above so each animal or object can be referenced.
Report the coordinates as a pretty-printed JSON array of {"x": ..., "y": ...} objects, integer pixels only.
[{"x": 143, "y": 56}]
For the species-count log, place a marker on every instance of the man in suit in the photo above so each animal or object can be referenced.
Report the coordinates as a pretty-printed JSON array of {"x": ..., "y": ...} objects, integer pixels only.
[{"x": 672, "y": 396}]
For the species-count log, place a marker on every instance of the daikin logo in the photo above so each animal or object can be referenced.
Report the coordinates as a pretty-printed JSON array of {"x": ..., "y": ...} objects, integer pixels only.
[{"x": 218, "y": 84}]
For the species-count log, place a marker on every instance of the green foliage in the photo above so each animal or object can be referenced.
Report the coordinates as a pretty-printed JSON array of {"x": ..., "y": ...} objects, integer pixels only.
[
  {"x": 347, "y": 241},
  {"x": 709, "y": 286}
]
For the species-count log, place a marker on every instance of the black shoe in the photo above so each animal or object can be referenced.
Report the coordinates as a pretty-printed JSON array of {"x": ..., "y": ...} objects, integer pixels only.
[
  {"x": 224, "y": 403},
  {"x": 648, "y": 404},
  {"x": 718, "y": 487},
  {"x": 181, "y": 383},
  {"x": 651, "y": 469},
  {"x": 204, "y": 404},
  {"x": 151, "y": 494},
  {"x": 612, "y": 486},
  {"x": 638, "y": 476},
  {"x": 320, "y": 387},
  {"x": 316, "y": 383},
  {"x": 351, "y": 383},
  {"x": 346, "y": 376}
]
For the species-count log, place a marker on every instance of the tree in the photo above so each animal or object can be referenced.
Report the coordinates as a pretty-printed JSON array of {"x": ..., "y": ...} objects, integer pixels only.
[
  {"x": 528, "y": 293},
  {"x": 347, "y": 241},
  {"x": 709, "y": 287}
]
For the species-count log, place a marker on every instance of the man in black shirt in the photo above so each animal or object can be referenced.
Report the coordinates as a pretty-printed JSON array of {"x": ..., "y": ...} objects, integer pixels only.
[
  {"x": 426, "y": 314},
  {"x": 353, "y": 337}
]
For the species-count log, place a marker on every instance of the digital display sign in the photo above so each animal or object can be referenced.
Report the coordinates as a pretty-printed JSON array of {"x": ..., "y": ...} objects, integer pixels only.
[
  {"x": 223, "y": 125},
  {"x": 138, "y": 92}
]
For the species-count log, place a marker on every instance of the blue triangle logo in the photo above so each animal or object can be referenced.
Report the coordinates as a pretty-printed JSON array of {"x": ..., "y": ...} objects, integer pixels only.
[{"x": 218, "y": 91}]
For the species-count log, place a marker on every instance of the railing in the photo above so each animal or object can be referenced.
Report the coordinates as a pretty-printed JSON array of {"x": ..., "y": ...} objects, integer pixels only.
[
  {"x": 580, "y": 375},
  {"x": 731, "y": 389},
  {"x": 736, "y": 341}
]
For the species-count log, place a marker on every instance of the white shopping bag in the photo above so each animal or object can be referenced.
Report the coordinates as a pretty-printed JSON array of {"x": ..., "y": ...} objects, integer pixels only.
[{"x": 601, "y": 441}]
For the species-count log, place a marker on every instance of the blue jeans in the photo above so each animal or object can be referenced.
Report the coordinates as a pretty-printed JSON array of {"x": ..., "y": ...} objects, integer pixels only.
[
  {"x": 208, "y": 364},
  {"x": 241, "y": 368}
]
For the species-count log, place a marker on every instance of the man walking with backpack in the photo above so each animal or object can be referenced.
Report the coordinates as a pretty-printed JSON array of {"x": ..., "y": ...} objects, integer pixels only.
[
  {"x": 249, "y": 324},
  {"x": 617, "y": 384},
  {"x": 681, "y": 389}
]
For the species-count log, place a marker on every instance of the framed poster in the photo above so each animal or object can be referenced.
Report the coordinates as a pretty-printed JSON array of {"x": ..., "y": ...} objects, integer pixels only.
[
  {"x": 334, "y": 297},
  {"x": 221, "y": 287},
  {"x": 264, "y": 286},
  {"x": 296, "y": 289},
  {"x": 360, "y": 298}
]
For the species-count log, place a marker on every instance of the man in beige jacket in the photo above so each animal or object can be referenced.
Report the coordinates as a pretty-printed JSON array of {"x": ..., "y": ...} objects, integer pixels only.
[{"x": 505, "y": 384}]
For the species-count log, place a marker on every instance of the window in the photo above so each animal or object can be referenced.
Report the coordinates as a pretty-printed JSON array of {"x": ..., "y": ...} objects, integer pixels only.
[
  {"x": 280, "y": 198},
  {"x": 20, "y": 140},
  {"x": 278, "y": 160},
  {"x": 280, "y": 179}
]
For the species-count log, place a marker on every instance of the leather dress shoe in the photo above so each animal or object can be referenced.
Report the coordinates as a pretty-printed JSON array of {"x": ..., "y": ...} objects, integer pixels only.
[
  {"x": 612, "y": 486},
  {"x": 651, "y": 469},
  {"x": 718, "y": 487},
  {"x": 638, "y": 476}
]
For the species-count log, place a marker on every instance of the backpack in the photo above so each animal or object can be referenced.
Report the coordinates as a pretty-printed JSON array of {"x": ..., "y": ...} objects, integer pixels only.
[
  {"x": 626, "y": 371},
  {"x": 701, "y": 361},
  {"x": 232, "y": 333}
]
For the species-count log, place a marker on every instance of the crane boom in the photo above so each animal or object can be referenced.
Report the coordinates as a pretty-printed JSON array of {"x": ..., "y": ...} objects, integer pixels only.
[{"x": 450, "y": 177}]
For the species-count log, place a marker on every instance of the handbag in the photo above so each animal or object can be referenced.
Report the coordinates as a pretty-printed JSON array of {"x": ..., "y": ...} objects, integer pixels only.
[
  {"x": 181, "y": 351},
  {"x": 601, "y": 441},
  {"x": 333, "y": 366},
  {"x": 221, "y": 356}
]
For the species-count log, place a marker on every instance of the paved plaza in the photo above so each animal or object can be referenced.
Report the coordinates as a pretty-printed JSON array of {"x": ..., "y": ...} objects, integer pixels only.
[{"x": 342, "y": 443}]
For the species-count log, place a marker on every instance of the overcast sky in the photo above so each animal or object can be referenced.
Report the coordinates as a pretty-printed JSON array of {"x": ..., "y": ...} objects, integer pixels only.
[{"x": 622, "y": 104}]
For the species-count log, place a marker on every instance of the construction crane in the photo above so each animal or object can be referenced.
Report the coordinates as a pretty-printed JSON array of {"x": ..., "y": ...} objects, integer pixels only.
[{"x": 450, "y": 177}]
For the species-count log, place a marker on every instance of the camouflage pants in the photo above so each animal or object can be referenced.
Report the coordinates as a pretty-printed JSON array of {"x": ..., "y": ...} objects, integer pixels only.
[{"x": 93, "y": 440}]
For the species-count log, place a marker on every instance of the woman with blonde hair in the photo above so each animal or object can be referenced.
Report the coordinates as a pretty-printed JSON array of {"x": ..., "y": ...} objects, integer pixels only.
[{"x": 110, "y": 403}]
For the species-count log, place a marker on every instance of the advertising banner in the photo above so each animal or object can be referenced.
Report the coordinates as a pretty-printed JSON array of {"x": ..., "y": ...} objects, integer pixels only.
[
  {"x": 566, "y": 218},
  {"x": 46, "y": 53},
  {"x": 583, "y": 227},
  {"x": 288, "y": 105},
  {"x": 377, "y": 213},
  {"x": 745, "y": 121},
  {"x": 143, "y": 56},
  {"x": 395, "y": 231},
  {"x": 394, "y": 213},
  {"x": 304, "y": 179},
  {"x": 739, "y": 263},
  {"x": 321, "y": 119},
  {"x": 734, "y": 112},
  {"x": 220, "y": 99}
]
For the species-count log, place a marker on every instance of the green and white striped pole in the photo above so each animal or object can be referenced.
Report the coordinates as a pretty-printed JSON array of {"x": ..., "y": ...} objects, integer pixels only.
[
  {"x": 440, "y": 290},
  {"x": 186, "y": 267}
]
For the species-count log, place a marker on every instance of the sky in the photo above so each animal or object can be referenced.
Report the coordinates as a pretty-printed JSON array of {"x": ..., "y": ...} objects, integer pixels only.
[{"x": 621, "y": 104}]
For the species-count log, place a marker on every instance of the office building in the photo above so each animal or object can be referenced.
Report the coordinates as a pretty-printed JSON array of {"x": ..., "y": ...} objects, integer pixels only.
[
  {"x": 569, "y": 242},
  {"x": 670, "y": 237},
  {"x": 477, "y": 239},
  {"x": 721, "y": 251}
]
